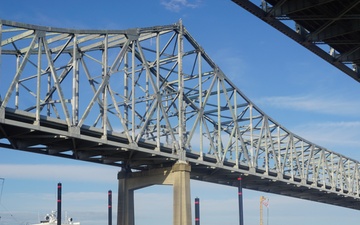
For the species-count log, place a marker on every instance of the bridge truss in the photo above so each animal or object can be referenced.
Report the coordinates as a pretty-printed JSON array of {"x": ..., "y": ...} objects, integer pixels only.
[
  {"x": 146, "y": 98},
  {"x": 328, "y": 28}
]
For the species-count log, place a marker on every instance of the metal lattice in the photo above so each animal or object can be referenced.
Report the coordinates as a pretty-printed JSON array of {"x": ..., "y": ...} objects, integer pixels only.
[{"x": 146, "y": 97}]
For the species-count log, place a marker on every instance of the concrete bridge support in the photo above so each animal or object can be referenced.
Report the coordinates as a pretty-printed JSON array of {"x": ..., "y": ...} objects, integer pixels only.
[{"x": 178, "y": 175}]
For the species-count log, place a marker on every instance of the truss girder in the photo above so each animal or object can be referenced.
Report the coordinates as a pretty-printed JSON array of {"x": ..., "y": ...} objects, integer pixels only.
[
  {"x": 328, "y": 28},
  {"x": 142, "y": 98}
]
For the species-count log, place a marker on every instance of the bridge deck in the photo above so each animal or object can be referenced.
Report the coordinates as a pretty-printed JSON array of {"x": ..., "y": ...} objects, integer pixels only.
[
  {"x": 53, "y": 139},
  {"x": 329, "y": 28}
]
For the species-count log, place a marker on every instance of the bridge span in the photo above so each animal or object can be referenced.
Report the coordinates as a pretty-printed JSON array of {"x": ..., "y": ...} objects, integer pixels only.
[
  {"x": 144, "y": 99},
  {"x": 328, "y": 28}
]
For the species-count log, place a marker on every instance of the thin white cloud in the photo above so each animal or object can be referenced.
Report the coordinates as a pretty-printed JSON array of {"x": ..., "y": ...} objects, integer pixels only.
[
  {"x": 340, "y": 137},
  {"x": 314, "y": 103},
  {"x": 177, "y": 5},
  {"x": 231, "y": 63},
  {"x": 338, "y": 126}
]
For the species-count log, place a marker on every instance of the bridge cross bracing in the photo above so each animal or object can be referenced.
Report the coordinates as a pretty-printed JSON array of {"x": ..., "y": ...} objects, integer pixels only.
[
  {"x": 328, "y": 28},
  {"x": 145, "y": 98}
]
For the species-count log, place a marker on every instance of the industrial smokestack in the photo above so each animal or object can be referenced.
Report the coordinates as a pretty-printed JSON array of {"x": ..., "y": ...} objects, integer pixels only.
[
  {"x": 110, "y": 207},
  {"x": 59, "y": 205},
  {"x": 197, "y": 211}
]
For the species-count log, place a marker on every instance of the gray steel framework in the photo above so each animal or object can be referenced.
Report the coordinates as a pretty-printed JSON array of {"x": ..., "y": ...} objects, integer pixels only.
[
  {"x": 328, "y": 28},
  {"x": 146, "y": 98}
]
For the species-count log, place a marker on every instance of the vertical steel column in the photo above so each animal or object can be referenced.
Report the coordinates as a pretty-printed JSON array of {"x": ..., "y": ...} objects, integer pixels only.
[
  {"x": 75, "y": 85},
  {"x": 182, "y": 125},
  {"x": 133, "y": 87},
  {"x": 48, "y": 107},
  {"x": 17, "y": 92},
  {"x": 38, "y": 81},
  {"x": 109, "y": 207},
  {"x": 106, "y": 73},
  {"x": 251, "y": 136},
  {"x": 126, "y": 90},
  {"x": 59, "y": 204},
  {"x": 197, "y": 211},
  {"x": 241, "y": 211},
  {"x": 201, "y": 104},
  {"x": 158, "y": 110}
]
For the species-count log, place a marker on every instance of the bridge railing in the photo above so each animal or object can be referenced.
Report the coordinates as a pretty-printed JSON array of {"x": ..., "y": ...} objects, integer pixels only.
[{"x": 155, "y": 85}]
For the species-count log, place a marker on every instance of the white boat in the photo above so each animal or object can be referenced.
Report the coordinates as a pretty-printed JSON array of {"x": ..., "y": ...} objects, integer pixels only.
[{"x": 51, "y": 219}]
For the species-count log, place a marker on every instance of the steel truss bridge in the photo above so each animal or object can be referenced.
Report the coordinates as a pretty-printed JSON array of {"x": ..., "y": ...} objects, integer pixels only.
[
  {"x": 328, "y": 28},
  {"x": 145, "y": 98}
]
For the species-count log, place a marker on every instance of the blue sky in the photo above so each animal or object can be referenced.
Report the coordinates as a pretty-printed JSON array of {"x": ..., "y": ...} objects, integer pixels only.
[{"x": 299, "y": 90}]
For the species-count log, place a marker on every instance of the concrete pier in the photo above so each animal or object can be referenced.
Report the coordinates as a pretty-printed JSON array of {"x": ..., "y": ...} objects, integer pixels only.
[{"x": 178, "y": 175}]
